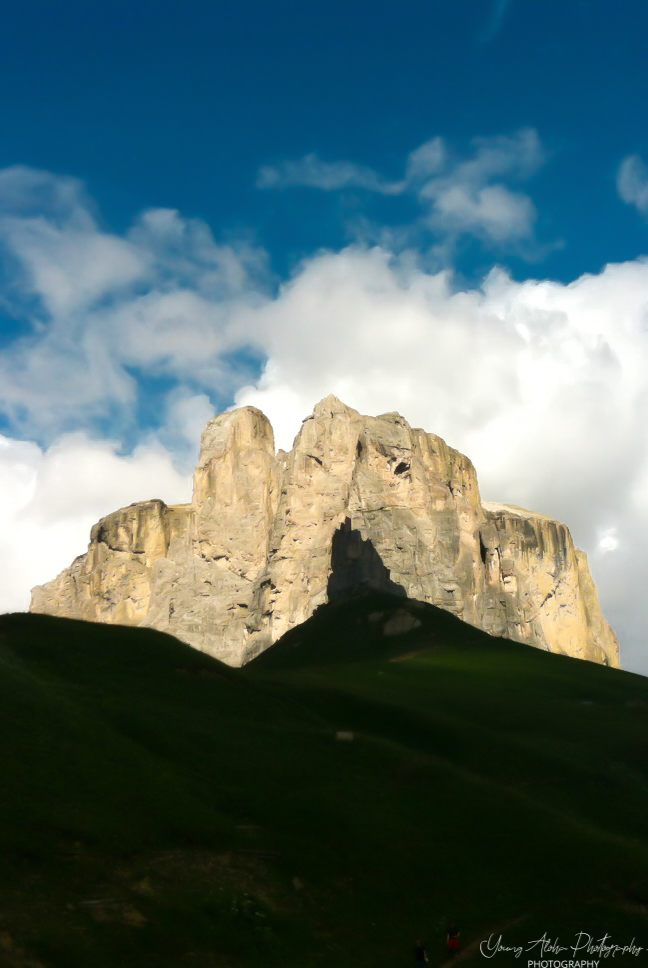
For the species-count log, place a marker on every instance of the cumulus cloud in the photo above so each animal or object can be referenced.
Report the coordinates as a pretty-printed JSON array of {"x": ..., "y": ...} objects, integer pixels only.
[
  {"x": 51, "y": 498},
  {"x": 632, "y": 183},
  {"x": 160, "y": 298},
  {"x": 457, "y": 197},
  {"x": 168, "y": 299},
  {"x": 47, "y": 226},
  {"x": 490, "y": 210},
  {"x": 497, "y": 370},
  {"x": 465, "y": 200},
  {"x": 31, "y": 192}
]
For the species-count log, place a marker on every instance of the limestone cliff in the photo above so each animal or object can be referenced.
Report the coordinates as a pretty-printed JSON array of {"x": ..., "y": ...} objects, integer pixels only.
[{"x": 359, "y": 502}]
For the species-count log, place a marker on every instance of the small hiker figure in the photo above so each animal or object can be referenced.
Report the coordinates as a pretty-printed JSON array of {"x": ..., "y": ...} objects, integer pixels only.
[
  {"x": 453, "y": 943},
  {"x": 420, "y": 955}
]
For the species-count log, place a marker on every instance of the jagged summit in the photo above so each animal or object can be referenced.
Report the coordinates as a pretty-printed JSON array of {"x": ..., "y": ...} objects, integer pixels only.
[
  {"x": 359, "y": 503},
  {"x": 331, "y": 404}
]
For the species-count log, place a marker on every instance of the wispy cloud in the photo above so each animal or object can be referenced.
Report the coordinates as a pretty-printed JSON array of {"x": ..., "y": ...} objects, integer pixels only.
[
  {"x": 472, "y": 197},
  {"x": 497, "y": 16},
  {"x": 310, "y": 171},
  {"x": 457, "y": 196},
  {"x": 158, "y": 298},
  {"x": 632, "y": 183}
]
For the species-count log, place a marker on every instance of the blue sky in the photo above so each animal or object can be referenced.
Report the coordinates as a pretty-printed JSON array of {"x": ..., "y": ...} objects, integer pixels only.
[
  {"x": 440, "y": 208},
  {"x": 177, "y": 105}
]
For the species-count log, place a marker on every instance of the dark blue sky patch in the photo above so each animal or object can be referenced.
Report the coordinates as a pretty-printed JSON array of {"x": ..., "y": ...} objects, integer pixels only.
[{"x": 179, "y": 104}]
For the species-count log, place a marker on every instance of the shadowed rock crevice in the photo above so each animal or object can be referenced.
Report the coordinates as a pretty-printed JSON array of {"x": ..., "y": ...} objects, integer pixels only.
[{"x": 357, "y": 568}]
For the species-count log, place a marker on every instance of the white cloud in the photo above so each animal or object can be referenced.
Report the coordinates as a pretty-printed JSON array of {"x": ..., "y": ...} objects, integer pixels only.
[
  {"x": 491, "y": 210},
  {"x": 608, "y": 540},
  {"x": 425, "y": 160},
  {"x": 464, "y": 201},
  {"x": 517, "y": 156},
  {"x": 632, "y": 183},
  {"x": 161, "y": 299},
  {"x": 312, "y": 172},
  {"x": 47, "y": 225},
  {"x": 31, "y": 192},
  {"x": 457, "y": 197},
  {"x": 50, "y": 500},
  {"x": 167, "y": 299},
  {"x": 363, "y": 324},
  {"x": 70, "y": 268},
  {"x": 53, "y": 379},
  {"x": 185, "y": 417},
  {"x": 184, "y": 252}
]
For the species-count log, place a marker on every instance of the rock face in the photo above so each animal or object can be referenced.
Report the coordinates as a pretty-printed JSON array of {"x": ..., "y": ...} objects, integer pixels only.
[{"x": 359, "y": 502}]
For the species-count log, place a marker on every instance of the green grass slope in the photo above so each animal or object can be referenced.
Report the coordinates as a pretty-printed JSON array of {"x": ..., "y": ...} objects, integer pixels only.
[{"x": 161, "y": 810}]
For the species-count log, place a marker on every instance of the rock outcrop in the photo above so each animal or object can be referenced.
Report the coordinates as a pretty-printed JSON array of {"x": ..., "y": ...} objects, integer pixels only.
[{"x": 359, "y": 502}]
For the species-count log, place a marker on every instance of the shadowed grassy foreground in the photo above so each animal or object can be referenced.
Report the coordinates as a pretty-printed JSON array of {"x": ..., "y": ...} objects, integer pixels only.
[{"x": 160, "y": 810}]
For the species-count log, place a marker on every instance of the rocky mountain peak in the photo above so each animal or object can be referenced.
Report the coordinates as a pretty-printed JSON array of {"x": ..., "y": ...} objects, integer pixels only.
[
  {"x": 330, "y": 405},
  {"x": 359, "y": 503}
]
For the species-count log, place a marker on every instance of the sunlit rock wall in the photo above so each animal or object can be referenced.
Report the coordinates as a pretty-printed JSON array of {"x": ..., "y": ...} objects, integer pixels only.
[{"x": 263, "y": 543}]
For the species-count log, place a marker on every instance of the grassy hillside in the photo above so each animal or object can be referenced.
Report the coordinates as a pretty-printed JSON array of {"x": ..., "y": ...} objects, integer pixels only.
[{"x": 161, "y": 810}]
